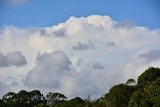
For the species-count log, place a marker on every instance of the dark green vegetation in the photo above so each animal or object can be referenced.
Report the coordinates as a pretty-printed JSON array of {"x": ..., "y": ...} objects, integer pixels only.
[{"x": 145, "y": 94}]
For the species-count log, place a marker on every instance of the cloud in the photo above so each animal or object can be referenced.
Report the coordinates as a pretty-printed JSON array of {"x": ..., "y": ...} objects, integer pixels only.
[
  {"x": 3, "y": 88},
  {"x": 84, "y": 46},
  {"x": 81, "y": 56},
  {"x": 16, "y": 58},
  {"x": 108, "y": 44},
  {"x": 48, "y": 69},
  {"x": 59, "y": 33},
  {"x": 98, "y": 66},
  {"x": 126, "y": 24},
  {"x": 12, "y": 59},
  {"x": 3, "y": 60},
  {"x": 153, "y": 55}
]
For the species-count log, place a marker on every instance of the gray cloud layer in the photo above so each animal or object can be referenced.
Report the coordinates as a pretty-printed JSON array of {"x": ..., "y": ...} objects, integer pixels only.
[{"x": 12, "y": 59}]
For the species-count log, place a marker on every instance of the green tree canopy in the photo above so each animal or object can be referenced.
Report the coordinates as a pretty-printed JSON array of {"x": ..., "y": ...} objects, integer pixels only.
[
  {"x": 53, "y": 98},
  {"x": 23, "y": 98},
  {"x": 3, "y": 103},
  {"x": 119, "y": 95},
  {"x": 149, "y": 75},
  {"x": 147, "y": 96},
  {"x": 130, "y": 82}
]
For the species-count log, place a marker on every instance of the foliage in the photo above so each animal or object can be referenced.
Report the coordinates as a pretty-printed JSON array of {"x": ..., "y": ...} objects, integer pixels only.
[
  {"x": 99, "y": 103},
  {"x": 3, "y": 104},
  {"x": 23, "y": 98},
  {"x": 149, "y": 75},
  {"x": 119, "y": 95},
  {"x": 148, "y": 96},
  {"x": 36, "y": 97},
  {"x": 53, "y": 98},
  {"x": 41, "y": 105},
  {"x": 130, "y": 82},
  {"x": 75, "y": 102}
]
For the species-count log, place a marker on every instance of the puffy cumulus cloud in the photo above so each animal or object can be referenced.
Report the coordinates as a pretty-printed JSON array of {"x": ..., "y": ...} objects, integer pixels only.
[
  {"x": 48, "y": 70},
  {"x": 81, "y": 56},
  {"x": 12, "y": 59}
]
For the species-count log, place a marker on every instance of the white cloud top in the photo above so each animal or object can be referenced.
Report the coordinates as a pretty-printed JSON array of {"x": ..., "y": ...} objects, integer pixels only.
[{"x": 82, "y": 56}]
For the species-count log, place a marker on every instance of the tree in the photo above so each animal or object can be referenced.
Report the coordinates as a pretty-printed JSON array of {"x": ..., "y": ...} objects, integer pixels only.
[
  {"x": 99, "y": 103},
  {"x": 8, "y": 96},
  {"x": 24, "y": 98},
  {"x": 147, "y": 96},
  {"x": 36, "y": 97},
  {"x": 149, "y": 75},
  {"x": 53, "y": 98},
  {"x": 130, "y": 82},
  {"x": 75, "y": 102},
  {"x": 138, "y": 99},
  {"x": 41, "y": 105},
  {"x": 152, "y": 92},
  {"x": 3, "y": 104},
  {"x": 16, "y": 100},
  {"x": 119, "y": 95},
  {"x": 9, "y": 99}
]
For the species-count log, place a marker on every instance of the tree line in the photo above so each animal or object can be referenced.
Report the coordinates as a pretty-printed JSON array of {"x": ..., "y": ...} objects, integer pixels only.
[{"x": 144, "y": 93}]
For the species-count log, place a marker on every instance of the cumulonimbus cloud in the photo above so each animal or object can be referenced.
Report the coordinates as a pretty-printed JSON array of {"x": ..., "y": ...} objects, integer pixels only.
[{"x": 81, "y": 56}]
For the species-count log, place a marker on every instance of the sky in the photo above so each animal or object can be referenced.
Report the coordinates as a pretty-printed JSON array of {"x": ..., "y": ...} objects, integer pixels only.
[
  {"x": 40, "y": 13},
  {"x": 76, "y": 47}
]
